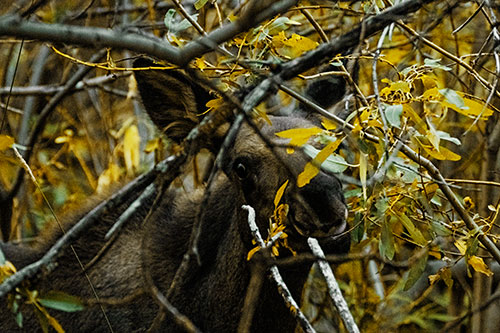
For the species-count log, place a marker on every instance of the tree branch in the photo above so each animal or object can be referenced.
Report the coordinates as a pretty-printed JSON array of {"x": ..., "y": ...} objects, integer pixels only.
[
  {"x": 51, "y": 89},
  {"x": 333, "y": 287},
  {"x": 276, "y": 276},
  {"x": 13, "y": 25}
]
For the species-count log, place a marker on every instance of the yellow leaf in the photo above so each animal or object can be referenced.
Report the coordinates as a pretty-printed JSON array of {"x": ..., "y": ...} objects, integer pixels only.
[
  {"x": 435, "y": 253},
  {"x": 398, "y": 86},
  {"x": 419, "y": 122},
  {"x": 328, "y": 124},
  {"x": 175, "y": 40},
  {"x": 6, "y": 142},
  {"x": 428, "y": 81},
  {"x": 279, "y": 194},
  {"x": 153, "y": 145},
  {"x": 110, "y": 176},
  {"x": 479, "y": 266},
  {"x": 294, "y": 46},
  {"x": 260, "y": 110},
  {"x": 432, "y": 94},
  {"x": 213, "y": 104},
  {"x": 476, "y": 109},
  {"x": 461, "y": 246},
  {"x": 6, "y": 270},
  {"x": 131, "y": 149},
  {"x": 471, "y": 108},
  {"x": 310, "y": 171},
  {"x": 434, "y": 278},
  {"x": 312, "y": 168},
  {"x": 200, "y": 63},
  {"x": 298, "y": 136},
  {"x": 54, "y": 323},
  {"x": 468, "y": 203},
  {"x": 444, "y": 154},
  {"x": 363, "y": 169},
  {"x": 252, "y": 252}
]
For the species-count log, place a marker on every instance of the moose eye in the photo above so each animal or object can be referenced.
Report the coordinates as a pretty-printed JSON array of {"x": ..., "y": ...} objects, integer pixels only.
[{"x": 241, "y": 170}]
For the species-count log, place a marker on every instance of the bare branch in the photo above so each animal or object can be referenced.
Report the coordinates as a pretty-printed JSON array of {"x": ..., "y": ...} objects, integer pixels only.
[
  {"x": 12, "y": 25},
  {"x": 333, "y": 287},
  {"x": 54, "y": 89},
  {"x": 276, "y": 276}
]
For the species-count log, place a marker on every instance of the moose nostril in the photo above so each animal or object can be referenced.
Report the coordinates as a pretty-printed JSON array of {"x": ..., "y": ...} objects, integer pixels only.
[{"x": 328, "y": 227}]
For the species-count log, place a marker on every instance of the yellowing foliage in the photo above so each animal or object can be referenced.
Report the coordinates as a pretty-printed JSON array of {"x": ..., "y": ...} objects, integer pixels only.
[
  {"x": 131, "y": 149},
  {"x": 293, "y": 46},
  {"x": 298, "y": 136},
  {"x": 312, "y": 168},
  {"x": 6, "y": 142}
]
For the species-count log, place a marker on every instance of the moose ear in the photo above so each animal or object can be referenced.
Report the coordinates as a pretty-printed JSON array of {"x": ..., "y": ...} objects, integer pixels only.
[
  {"x": 172, "y": 100},
  {"x": 327, "y": 90}
]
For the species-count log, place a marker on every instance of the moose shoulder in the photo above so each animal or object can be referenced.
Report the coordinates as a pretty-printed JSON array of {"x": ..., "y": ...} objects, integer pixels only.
[{"x": 213, "y": 293}]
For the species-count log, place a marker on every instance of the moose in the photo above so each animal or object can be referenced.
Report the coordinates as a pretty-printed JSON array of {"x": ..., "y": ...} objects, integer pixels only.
[{"x": 213, "y": 293}]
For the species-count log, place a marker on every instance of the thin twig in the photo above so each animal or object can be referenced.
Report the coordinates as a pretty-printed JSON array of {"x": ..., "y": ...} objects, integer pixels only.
[
  {"x": 276, "y": 276},
  {"x": 51, "y": 89}
]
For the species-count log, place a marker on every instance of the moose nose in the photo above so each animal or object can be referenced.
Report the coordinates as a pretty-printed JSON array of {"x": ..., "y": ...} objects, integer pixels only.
[
  {"x": 335, "y": 226},
  {"x": 324, "y": 197}
]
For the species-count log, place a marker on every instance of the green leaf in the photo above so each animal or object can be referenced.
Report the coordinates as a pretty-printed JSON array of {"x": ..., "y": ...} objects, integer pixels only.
[
  {"x": 19, "y": 319},
  {"x": 359, "y": 231},
  {"x": 440, "y": 229},
  {"x": 447, "y": 137},
  {"x": 174, "y": 27},
  {"x": 393, "y": 114},
  {"x": 168, "y": 20},
  {"x": 432, "y": 135},
  {"x": 352, "y": 193},
  {"x": 333, "y": 163},
  {"x": 382, "y": 206},
  {"x": 280, "y": 24},
  {"x": 416, "y": 271},
  {"x": 441, "y": 317},
  {"x": 386, "y": 243},
  {"x": 453, "y": 98},
  {"x": 434, "y": 63},
  {"x": 61, "y": 301},
  {"x": 184, "y": 24},
  {"x": 415, "y": 234},
  {"x": 2, "y": 258}
]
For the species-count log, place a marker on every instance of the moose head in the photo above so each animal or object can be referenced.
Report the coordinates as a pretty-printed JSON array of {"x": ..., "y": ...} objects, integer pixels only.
[{"x": 258, "y": 163}]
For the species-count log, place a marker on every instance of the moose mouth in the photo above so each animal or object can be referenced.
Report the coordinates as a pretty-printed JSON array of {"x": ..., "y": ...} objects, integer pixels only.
[{"x": 305, "y": 226}]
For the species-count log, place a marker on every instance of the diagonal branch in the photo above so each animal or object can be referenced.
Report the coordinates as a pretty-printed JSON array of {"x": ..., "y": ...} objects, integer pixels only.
[{"x": 13, "y": 25}]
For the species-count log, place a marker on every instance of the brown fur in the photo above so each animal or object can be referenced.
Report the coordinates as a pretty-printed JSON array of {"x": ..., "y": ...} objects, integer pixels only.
[{"x": 212, "y": 295}]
